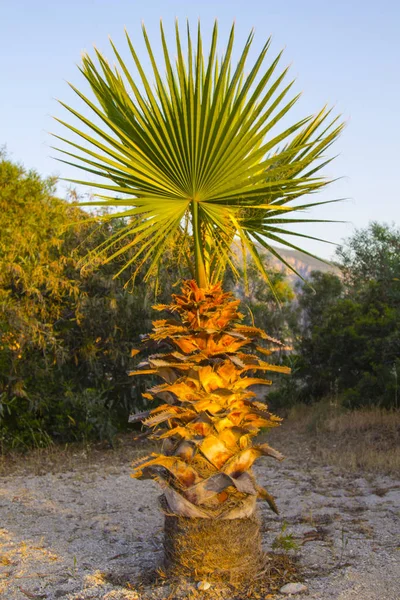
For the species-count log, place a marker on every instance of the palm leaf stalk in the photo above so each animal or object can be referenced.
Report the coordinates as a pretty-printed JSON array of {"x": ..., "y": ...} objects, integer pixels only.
[{"x": 194, "y": 158}]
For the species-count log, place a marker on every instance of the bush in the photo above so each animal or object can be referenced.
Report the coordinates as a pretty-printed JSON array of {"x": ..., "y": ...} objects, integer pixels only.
[
  {"x": 65, "y": 334},
  {"x": 349, "y": 328}
]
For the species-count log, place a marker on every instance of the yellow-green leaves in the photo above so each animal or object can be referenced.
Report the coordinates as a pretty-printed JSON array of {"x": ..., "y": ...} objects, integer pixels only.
[{"x": 194, "y": 143}]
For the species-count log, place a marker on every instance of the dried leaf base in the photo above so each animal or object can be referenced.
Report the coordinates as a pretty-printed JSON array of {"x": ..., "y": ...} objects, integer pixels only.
[{"x": 214, "y": 549}]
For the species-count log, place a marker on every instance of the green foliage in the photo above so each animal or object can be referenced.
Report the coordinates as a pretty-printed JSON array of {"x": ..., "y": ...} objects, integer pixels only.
[
  {"x": 373, "y": 255},
  {"x": 65, "y": 335},
  {"x": 349, "y": 332},
  {"x": 353, "y": 352},
  {"x": 323, "y": 291},
  {"x": 34, "y": 285},
  {"x": 195, "y": 155},
  {"x": 285, "y": 541},
  {"x": 265, "y": 306}
]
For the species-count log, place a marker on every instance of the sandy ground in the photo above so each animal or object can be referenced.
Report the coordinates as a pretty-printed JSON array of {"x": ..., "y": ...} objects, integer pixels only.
[{"x": 94, "y": 533}]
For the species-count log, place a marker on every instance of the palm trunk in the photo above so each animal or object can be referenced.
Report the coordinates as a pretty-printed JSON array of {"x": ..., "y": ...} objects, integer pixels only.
[
  {"x": 218, "y": 550},
  {"x": 201, "y": 272},
  {"x": 210, "y": 418}
]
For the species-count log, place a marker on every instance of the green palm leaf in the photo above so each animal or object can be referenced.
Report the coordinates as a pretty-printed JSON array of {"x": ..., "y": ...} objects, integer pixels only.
[{"x": 196, "y": 144}]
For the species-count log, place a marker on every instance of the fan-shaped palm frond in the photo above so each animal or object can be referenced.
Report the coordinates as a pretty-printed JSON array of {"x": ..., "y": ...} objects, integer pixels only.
[{"x": 198, "y": 147}]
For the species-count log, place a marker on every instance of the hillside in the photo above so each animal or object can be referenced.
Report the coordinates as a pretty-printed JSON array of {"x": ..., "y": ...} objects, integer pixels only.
[{"x": 303, "y": 263}]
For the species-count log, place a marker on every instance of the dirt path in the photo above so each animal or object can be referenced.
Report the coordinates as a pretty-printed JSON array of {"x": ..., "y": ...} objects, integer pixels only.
[{"x": 91, "y": 532}]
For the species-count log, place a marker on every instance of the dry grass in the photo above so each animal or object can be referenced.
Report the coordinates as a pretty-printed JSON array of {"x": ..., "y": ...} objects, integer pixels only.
[
  {"x": 364, "y": 439},
  {"x": 58, "y": 458}
]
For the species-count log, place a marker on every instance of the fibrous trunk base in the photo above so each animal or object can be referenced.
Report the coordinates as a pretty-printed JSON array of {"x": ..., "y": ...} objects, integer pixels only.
[{"x": 215, "y": 549}]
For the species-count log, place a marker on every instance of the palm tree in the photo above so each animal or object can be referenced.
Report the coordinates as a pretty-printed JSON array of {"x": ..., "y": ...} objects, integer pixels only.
[{"x": 195, "y": 159}]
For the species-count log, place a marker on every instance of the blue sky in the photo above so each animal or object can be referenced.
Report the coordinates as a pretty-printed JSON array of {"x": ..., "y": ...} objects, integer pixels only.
[{"x": 346, "y": 54}]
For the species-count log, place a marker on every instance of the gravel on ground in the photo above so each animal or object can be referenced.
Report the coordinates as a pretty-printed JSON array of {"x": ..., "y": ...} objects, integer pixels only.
[{"x": 92, "y": 532}]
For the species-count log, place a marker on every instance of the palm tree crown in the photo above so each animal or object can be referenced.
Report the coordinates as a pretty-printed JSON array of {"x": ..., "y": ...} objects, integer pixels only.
[{"x": 194, "y": 158}]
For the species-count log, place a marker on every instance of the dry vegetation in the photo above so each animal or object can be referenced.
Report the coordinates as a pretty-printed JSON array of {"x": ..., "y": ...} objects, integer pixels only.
[
  {"x": 358, "y": 440},
  {"x": 77, "y": 456},
  {"x": 66, "y": 533}
]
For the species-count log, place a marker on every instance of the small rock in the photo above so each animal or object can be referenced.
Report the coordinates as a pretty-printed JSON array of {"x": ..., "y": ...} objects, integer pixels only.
[
  {"x": 203, "y": 585},
  {"x": 293, "y": 588}
]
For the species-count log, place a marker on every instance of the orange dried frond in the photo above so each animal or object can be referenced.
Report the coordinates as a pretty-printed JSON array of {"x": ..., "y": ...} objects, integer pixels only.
[
  {"x": 242, "y": 461},
  {"x": 142, "y": 372},
  {"x": 185, "y": 474},
  {"x": 255, "y": 332},
  {"x": 209, "y": 379},
  {"x": 211, "y": 406},
  {"x": 180, "y": 431},
  {"x": 159, "y": 323},
  {"x": 215, "y": 451},
  {"x": 158, "y": 363},
  {"x": 208, "y": 416},
  {"x": 267, "y": 367},
  {"x": 264, "y": 495},
  {"x": 248, "y": 381},
  {"x": 230, "y": 437},
  {"x": 186, "y": 344},
  {"x": 224, "y": 423},
  {"x": 266, "y": 351},
  {"x": 160, "y": 307},
  {"x": 182, "y": 390}
]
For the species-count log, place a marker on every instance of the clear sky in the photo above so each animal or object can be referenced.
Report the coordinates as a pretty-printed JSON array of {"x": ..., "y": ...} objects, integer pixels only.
[{"x": 345, "y": 53}]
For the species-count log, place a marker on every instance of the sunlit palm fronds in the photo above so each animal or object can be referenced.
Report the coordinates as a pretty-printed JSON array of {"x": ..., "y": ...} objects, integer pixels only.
[{"x": 197, "y": 144}]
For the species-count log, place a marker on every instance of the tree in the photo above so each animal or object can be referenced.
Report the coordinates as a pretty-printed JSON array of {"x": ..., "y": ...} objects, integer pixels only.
[
  {"x": 315, "y": 299},
  {"x": 265, "y": 305},
  {"x": 199, "y": 168},
  {"x": 352, "y": 353},
  {"x": 371, "y": 254},
  {"x": 321, "y": 291},
  {"x": 350, "y": 327},
  {"x": 35, "y": 289},
  {"x": 65, "y": 336},
  {"x": 34, "y": 284}
]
